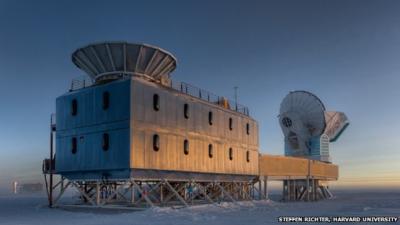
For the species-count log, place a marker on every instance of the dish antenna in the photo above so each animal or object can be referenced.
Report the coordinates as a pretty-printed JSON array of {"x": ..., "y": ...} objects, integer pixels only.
[
  {"x": 308, "y": 127},
  {"x": 108, "y": 61}
]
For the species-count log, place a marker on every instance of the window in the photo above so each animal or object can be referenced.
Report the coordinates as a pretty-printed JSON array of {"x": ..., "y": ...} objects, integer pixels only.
[
  {"x": 186, "y": 147},
  {"x": 186, "y": 111},
  {"x": 230, "y": 123},
  {"x": 156, "y": 142},
  {"x": 210, "y": 118},
  {"x": 230, "y": 153},
  {"x": 74, "y": 145},
  {"x": 106, "y": 141},
  {"x": 248, "y": 156},
  {"x": 247, "y": 128},
  {"x": 156, "y": 102},
  {"x": 210, "y": 151},
  {"x": 106, "y": 100},
  {"x": 74, "y": 107}
]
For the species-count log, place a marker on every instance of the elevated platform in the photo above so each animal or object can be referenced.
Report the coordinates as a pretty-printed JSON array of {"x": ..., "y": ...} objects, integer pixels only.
[
  {"x": 284, "y": 167},
  {"x": 303, "y": 179}
]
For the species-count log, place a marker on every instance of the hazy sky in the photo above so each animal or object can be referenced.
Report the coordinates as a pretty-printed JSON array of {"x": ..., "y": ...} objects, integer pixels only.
[{"x": 346, "y": 52}]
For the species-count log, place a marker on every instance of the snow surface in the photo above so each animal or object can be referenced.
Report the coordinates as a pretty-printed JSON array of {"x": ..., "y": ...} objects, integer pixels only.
[{"x": 23, "y": 209}]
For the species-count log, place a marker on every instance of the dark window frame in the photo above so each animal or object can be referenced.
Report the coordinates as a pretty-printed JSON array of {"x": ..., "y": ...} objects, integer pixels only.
[
  {"x": 156, "y": 102},
  {"x": 186, "y": 111},
  {"x": 74, "y": 107},
  {"x": 230, "y": 123},
  {"x": 156, "y": 142},
  {"x": 210, "y": 118},
  {"x": 105, "y": 145},
  {"x": 106, "y": 100},
  {"x": 74, "y": 145},
  {"x": 248, "y": 156},
  {"x": 186, "y": 147},
  {"x": 231, "y": 153},
  {"x": 248, "y": 128},
  {"x": 210, "y": 151}
]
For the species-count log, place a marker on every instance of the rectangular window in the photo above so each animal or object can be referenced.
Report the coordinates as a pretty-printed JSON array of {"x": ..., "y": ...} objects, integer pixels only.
[
  {"x": 74, "y": 107},
  {"x": 186, "y": 147},
  {"x": 210, "y": 118},
  {"x": 106, "y": 100},
  {"x": 210, "y": 151},
  {"x": 106, "y": 141},
  {"x": 186, "y": 111},
  {"x": 74, "y": 145},
  {"x": 156, "y": 142},
  {"x": 156, "y": 102}
]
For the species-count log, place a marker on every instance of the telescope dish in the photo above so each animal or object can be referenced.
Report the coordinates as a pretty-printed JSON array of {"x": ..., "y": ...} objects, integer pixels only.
[
  {"x": 302, "y": 108},
  {"x": 308, "y": 127},
  {"x": 112, "y": 60}
]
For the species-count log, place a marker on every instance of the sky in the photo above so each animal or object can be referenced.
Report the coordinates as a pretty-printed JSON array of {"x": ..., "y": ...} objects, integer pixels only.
[{"x": 345, "y": 52}]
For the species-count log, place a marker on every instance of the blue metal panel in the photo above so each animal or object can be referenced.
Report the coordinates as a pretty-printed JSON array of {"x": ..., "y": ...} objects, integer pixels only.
[
  {"x": 85, "y": 110},
  {"x": 90, "y": 154},
  {"x": 314, "y": 149},
  {"x": 97, "y": 175},
  {"x": 89, "y": 125},
  {"x": 315, "y": 146},
  {"x": 90, "y": 101}
]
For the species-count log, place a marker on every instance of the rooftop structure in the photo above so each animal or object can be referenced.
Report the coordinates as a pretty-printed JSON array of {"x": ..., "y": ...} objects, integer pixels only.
[{"x": 109, "y": 61}]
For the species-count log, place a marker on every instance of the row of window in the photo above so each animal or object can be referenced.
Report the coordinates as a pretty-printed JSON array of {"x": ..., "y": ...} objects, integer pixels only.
[
  {"x": 156, "y": 146},
  {"x": 156, "y": 107},
  {"x": 105, "y": 103},
  {"x": 105, "y": 145}
]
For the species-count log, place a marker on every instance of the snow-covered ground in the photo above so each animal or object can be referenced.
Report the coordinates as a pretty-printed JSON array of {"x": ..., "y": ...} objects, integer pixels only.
[{"x": 23, "y": 209}]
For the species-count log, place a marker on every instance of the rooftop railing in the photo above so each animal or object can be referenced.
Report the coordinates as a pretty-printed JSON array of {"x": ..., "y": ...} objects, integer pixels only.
[
  {"x": 209, "y": 97},
  {"x": 182, "y": 87},
  {"x": 79, "y": 83}
]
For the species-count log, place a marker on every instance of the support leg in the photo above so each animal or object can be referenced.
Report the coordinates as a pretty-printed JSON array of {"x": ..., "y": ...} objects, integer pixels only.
[
  {"x": 98, "y": 192},
  {"x": 176, "y": 193},
  {"x": 266, "y": 187}
]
